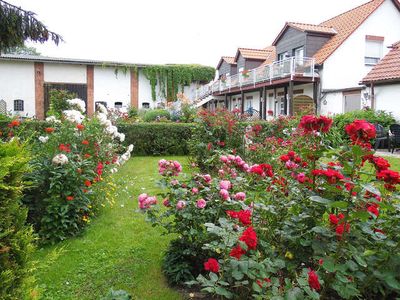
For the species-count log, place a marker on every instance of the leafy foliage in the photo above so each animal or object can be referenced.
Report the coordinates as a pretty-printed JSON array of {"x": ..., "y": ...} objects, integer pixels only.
[
  {"x": 58, "y": 102},
  {"x": 152, "y": 115},
  {"x": 15, "y": 235},
  {"x": 172, "y": 77},
  {"x": 18, "y": 25}
]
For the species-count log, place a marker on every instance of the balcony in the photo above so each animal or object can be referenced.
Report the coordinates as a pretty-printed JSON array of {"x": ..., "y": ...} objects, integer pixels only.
[{"x": 288, "y": 67}]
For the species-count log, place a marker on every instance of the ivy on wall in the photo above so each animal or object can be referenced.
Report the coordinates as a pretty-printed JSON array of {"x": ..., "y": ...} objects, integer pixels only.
[{"x": 170, "y": 78}]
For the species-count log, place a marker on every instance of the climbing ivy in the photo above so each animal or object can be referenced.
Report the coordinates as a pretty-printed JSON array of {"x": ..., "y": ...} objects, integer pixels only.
[{"x": 170, "y": 78}]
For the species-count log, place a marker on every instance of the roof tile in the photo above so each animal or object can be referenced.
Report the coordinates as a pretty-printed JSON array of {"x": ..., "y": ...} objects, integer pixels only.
[{"x": 257, "y": 54}]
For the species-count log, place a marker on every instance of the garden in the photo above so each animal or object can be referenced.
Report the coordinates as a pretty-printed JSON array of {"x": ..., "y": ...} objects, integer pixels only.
[{"x": 294, "y": 208}]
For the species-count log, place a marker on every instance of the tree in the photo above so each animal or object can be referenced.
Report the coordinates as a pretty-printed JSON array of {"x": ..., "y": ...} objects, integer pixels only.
[
  {"x": 22, "y": 50},
  {"x": 18, "y": 25}
]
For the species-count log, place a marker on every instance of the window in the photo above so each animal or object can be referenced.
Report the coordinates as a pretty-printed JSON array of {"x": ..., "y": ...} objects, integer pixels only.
[
  {"x": 373, "y": 49},
  {"x": 118, "y": 104},
  {"x": 18, "y": 105},
  {"x": 299, "y": 52},
  {"x": 283, "y": 55},
  {"x": 146, "y": 105}
]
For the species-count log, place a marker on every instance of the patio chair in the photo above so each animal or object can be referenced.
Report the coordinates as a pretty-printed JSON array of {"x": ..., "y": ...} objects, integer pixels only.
[
  {"x": 381, "y": 137},
  {"x": 395, "y": 138}
]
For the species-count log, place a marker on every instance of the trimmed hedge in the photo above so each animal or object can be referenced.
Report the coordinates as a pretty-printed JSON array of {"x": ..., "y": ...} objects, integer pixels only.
[
  {"x": 15, "y": 236},
  {"x": 158, "y": 138}
]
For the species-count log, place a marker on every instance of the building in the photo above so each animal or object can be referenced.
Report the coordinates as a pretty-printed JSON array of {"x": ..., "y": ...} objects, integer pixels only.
[
  {"x": 383, "y": 82},
  {"x": 308, "y": 67},
  {"x": 25, "y": 82}
]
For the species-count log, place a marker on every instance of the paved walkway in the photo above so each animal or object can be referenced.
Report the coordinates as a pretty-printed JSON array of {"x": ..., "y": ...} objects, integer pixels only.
[{"x": 382, "y": 152}]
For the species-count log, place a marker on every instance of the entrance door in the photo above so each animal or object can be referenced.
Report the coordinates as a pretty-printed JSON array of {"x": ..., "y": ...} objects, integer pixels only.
[
  {"x": 352, "y": 102},
  {"x": 79, "y": 89}
]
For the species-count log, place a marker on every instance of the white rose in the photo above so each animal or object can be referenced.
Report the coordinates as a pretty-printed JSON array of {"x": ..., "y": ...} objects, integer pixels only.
[
  {"x": 60, "y": 159},
  {"x": 43, "y": 139}
]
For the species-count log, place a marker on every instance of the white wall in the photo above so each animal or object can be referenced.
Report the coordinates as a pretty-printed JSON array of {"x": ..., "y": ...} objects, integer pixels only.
[
  {"x": 112, "y": 88},
  {"x": 387, "y": 98},
  {"x": 17, "y": 81},
  {"x": 332, "y": 104},
  {"x": 64, "y": 73},
  {"x": 345, "y": 67},
  {"x": 145, "y": 91}
]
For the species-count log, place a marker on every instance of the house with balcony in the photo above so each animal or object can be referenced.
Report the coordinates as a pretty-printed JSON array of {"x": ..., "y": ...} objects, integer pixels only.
[{"x": 309, "y": 67}]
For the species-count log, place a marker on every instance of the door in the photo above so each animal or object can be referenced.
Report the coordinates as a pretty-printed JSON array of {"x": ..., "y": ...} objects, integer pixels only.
[
  {"x": 352, "y": 102},
  {"x": 79, "y": 89}
]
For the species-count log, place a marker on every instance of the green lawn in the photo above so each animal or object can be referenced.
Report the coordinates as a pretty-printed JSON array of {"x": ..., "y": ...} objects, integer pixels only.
[{"x": 119, "y": 250}]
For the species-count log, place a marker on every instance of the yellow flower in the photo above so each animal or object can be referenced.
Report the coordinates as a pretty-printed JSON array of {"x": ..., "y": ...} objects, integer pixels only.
[
  {"x": 85, "y": 218},
  {"x": 218, "y": 250},
  {"x": 289, "y": 255}
]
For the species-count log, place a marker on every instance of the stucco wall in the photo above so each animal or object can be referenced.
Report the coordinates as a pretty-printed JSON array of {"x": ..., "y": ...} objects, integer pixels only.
[
  {"x": 345, "y": 67},
  {"x": 64, "y": 73},
  {"x": 17, "y": 81},
  {"x": 387, "y": 98},
  {"x": 111, "y": 88}
]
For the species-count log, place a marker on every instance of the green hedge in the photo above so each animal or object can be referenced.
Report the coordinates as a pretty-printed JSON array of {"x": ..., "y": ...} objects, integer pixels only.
[
  {"x": 158, "y": 138},
  {"x": 15, "y": 236}
]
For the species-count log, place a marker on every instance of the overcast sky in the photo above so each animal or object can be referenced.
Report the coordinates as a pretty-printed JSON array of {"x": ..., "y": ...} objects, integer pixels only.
[{"x": 171, "y": 31}]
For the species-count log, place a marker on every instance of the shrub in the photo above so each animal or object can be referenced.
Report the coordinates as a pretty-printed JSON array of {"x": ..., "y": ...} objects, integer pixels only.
[
  {"x": 71, "y": 160},
  {"x": 372, "y": 116},
  {"x": 309, "y": 222},
  {"x": 15, "y": 235},
  {"x": 155, "y": 114},
  {"x": 58, "y": 102},
  {"x": 158, "y": 138}
]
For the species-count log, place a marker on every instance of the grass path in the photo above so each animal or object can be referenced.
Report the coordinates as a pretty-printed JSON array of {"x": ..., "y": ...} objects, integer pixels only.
[{"x": 120, "y": 250}]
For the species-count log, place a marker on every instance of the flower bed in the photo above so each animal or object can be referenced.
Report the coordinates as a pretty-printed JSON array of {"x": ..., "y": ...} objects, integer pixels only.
[{"x": 297, "y": 219}]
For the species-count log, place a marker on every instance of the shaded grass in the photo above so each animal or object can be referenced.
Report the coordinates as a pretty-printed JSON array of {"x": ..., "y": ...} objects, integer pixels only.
[{"x": 119, "y": 250}]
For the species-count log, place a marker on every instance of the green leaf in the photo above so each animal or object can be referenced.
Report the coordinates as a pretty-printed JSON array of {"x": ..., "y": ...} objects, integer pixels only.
[
  {"x": 339, "y": 204},
  {"x": 223, "y": 292},
  {"x": 294, "y": 294},
  {"x": 213, "y": 277},
  {"x": 362, "y": 215},
  {"x": 237, "y": 275},
  {"x": 360, "y": 261},
  {"x": 329, "y": 264},
  {"x": 321, "y": 200}
]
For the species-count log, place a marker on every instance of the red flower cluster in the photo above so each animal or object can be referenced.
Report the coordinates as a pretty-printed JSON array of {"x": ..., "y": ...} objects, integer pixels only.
[
  {"x": 65, "y": 147},
  {"x": 262, "y": 170},
  {"x": 249, "y": 237},
  {"x": 312, "y": 123},
  {"x": 99, "y": 169},
  {"x": 49, "y": 129},
  {"x": 244, "y": 216},
  {"x": 373, "y": 208},
  {"x": 313, "y": 280},
  {"x": 85, "y": 142},
  {"x": 379, "y": 162},
  {"x": 14, "y": 123},
  {"x": 211, "y": 265},
  {"x": 332, "y": 176},
  {"x": 390, "y": 177},
  {"x": 360, "y": 131},
  {"x": 341, "y": 226},
  {"x": 80, "y": 127}
]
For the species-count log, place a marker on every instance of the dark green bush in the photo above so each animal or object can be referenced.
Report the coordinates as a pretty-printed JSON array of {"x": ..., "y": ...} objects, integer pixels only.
[
  {"x": 15, "y": 235},
  {"x": 381, "y": 117},
  {"x": 157, "y": 138},
  {"x": 152, "y": 115}
]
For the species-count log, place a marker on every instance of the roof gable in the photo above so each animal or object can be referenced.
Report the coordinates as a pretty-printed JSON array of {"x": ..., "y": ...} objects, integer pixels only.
[
  {"x": 303, "y": 27},
  {"x": 254, "y": 54},
  {"x": 345, "y": 24},
  {"x": 388, "y": 68},
  {"x": 228, "y": 59}
]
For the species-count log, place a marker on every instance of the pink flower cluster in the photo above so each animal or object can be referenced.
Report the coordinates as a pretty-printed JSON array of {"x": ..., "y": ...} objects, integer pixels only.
[
  {"x": 169, "y": 167},
  {"x": 231, "y": 163},
  {"x": 146, "y": 201}
]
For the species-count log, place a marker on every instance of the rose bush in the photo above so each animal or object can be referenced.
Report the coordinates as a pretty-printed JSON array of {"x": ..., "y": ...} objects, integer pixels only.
[
  {"x": 72, "y": 157},
  {"x": 304, "y": 221}
]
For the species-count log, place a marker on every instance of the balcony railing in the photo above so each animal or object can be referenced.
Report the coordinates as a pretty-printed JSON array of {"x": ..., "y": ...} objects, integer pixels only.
[{"x": 288, "y": 67}]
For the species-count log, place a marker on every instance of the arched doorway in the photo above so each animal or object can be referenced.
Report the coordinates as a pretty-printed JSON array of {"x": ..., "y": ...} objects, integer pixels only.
[{"x": 303, "y": 104}]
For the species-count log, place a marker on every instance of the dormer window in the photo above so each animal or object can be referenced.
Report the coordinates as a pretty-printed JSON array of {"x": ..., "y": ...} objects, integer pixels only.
[{"x": 373, "y": 49}]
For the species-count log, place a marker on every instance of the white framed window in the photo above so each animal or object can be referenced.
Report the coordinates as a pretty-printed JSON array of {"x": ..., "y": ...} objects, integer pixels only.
[
  {"x": 299, "y": 52},
  {"x": 284, "y": 55},
  {"x": 18, "y": 105},
  {"x": 373, "y": 50}
]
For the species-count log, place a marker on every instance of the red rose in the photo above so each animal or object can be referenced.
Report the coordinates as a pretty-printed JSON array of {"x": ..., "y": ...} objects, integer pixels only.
[
  {"x": 49, "y": 129},
  {"x": 249, "y": 237},
  {"x": 237, "y": 252},
  {"x": 87, "y": 155},
  {"x": 80, "y": 127},
  {"x": 284, "y": 158},
  {"x": 360, "y": 131},
  {"x": 65, "y": 147},
  {"x": 70, "y": 198},
  {"x": 211, "y": 265},
  {"x": 85, "y": 142},
  {"x": 14, "y": 123},
  {"x": 389, "y": 176},
  {"x": 88, "y": 183},
  {"x": 313, "y": 280},
  {"x": 373, "y": 209}
]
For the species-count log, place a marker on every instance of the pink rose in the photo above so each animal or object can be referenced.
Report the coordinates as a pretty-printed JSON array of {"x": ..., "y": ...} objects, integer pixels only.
[
  {"x": 224, "y": 159},
  {"x": 225, "y": 185},
  {"x": 240, "y": 196},
  {"x": 301, "y": 177},
  {"x": 174, "y": 181},
  {"x": 166, "y": 202},
  {"x": 224, "y": 194},
  {"x": 142, "y": 197},
  {"x": 201, "y": 203},
  {"x": 195, "y": 191},
  {"x": 180, "y": 205},
  {"x": 221, "y": 173},
  {"x": 207, "y": 178}
]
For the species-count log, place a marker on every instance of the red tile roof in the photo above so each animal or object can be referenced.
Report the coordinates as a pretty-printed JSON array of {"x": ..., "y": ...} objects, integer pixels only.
[
  {"x": 345, "y": 24},
  {"x": 256, "y": 54},
  {"x": 388, "y": 69},
  {"x": 271, "y": 57},
  {"x": 312, "y": 28},
  {"x": 229, "y": 59}
]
